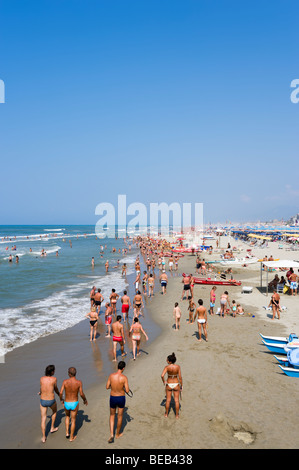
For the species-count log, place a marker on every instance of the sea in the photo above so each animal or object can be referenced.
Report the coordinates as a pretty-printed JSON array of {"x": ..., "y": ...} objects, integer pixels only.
[{"x": 41, "y": 295}]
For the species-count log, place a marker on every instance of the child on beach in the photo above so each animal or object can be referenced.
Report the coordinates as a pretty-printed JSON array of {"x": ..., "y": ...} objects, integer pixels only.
[
  {"x": 191, "y": 309},
  {"x": 93, "y": 320},
  {"x": 212, "y": 300},
  {"x": 108, "y": 319},
  {"x": 234, "y": 308},
  {"x": 240, "y": 310},
  {"x": 177, "y": 315}
]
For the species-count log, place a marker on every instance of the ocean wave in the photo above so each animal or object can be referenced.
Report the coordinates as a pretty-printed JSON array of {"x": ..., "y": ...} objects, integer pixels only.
[
  {"x": 54, "y": 313},
  {"x": 23, "y": 252}
]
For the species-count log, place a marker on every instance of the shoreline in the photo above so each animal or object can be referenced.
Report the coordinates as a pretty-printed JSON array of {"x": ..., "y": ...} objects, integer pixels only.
[
  {"x": 65, "y": 348},
  {"x": 232, "y": 384}
]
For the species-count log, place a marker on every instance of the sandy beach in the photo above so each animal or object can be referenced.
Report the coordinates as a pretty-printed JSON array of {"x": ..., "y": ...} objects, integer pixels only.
[{"x": 234, "y": 394}]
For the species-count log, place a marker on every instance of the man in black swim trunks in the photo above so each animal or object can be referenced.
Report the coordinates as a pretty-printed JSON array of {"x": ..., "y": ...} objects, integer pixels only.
[
  {"x": 118, "y": 383},
  {"x": 186, "y": 281},
  {"x": 98, "y": 299}
]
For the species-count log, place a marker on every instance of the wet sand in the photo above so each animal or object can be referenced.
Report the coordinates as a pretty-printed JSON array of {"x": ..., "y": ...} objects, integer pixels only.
[{"x": 234, "y": 394}]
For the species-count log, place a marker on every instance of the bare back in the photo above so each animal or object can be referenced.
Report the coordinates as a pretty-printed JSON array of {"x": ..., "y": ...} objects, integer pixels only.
[
  {"x": 47, "y": 387},
  {"x": 72, "y": 388}
]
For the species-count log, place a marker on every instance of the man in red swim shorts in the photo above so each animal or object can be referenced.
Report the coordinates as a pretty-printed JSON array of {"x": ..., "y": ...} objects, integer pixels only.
[
  {"x": 126, "y": 303},
  {"x": 118, "y": 336}
]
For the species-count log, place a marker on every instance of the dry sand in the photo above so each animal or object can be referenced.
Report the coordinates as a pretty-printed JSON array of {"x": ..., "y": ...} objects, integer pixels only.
[{"x": 234, "y": 394}]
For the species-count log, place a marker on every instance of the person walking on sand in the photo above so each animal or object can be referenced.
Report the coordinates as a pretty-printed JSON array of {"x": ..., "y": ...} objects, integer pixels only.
[
  {"x": 173, "y": 384},
  {"x": 136, "y": 330},
  {"x": 48, "y": 386},
  {"x": 93, "y": 321},
  {"x": 177, "y": 315},
  {"x": 126, "y": 304},
  {"x": 108, "y": 319},
  {"x": 98, "y": 299},
  {"x": 212, "y": 300},
  {"x": 151, "y": 285},
  {"x": 72, "y": 388},
  {"x": 118, "y": 337},
  {"x": 201, "y": 314},
  {"x": 163, "y": 281},
  {"x": 113, "y": 300},
  {"x": 118, "y": 384},
  {"x": 138, "y": 303}
]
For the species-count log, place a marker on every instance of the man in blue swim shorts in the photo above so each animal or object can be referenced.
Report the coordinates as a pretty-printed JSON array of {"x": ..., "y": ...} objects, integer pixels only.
[
  {"x": 118, "y": 383},
  {"x": 72, "y": 387}
]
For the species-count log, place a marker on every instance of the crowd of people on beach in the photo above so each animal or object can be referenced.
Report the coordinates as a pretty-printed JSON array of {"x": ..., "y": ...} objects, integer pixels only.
[{"x": 160, "y": 262}]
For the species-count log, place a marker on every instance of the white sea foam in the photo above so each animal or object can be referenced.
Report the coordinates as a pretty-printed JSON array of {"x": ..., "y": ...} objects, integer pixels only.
[
  {"x": 22, "y": 252},
  {"x": 41, "y": 237},
  {"x": 61, "y": 310}
]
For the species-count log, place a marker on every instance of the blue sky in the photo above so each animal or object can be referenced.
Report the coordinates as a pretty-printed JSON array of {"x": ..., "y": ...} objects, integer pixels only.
[{"x": 164, "y": 101}]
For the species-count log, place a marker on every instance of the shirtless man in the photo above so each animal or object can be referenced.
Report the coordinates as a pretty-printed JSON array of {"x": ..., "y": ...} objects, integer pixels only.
[
  {"x": 163, "y": 281},
  {"x": 98, "y": 299},
  {"x": 118, "y": 384},
  {"x": 107, "y": 266},
  {"x": 118, "y": 336},
  {"x": 186, "y": 281},
  {"x": 113, "y": 299},
  {"x": 72, "y": 387},
  {"x": 293, "y": 280},
  {"x": 126, "y": 304},
  {"x": 138, "y": 303},
  {"x": 201, "y": 313},
  {"x": 170, "y": 263},
  {"x": 48, "y": 385}
]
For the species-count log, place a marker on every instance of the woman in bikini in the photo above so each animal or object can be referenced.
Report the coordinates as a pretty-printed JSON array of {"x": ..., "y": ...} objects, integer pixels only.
[
  {"x": 93, "y": 320},
  {"x": 174, "y": 384},
  {"x": 275, "y": 304},
  {"x": 191, "y": 309},
  {"x": 136, "y": 330},
  {"x": 223, "y": 302},
  {"x": 138, "y": 302}
]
